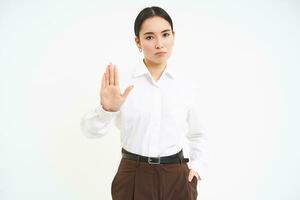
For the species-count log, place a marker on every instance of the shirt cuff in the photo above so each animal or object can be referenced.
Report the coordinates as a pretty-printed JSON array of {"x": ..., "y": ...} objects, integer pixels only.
[{"x": 105, "y": 115}]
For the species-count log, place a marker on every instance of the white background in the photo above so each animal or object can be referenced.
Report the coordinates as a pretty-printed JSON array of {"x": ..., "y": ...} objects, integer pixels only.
[{"x": 244, "y": 55}]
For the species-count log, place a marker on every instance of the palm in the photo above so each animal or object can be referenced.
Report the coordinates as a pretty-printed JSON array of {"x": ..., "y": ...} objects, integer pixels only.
[{"x": 111, "y": 97}]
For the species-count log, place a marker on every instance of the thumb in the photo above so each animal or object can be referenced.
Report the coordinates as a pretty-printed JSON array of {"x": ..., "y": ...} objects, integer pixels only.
[
  {"x": 191, "y": 175},
  {"x": 126, "y": 92}
]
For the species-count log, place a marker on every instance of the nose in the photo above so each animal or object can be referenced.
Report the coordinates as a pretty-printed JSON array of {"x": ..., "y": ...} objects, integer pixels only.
[{"x": 159, "y": 44}]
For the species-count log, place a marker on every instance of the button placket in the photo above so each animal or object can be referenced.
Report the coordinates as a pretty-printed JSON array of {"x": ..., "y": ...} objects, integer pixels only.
[{"x": 156, "y": 120}]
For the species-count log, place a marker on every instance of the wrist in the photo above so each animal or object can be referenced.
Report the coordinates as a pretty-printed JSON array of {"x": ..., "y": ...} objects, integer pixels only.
[{"x": 108, "y": 110}]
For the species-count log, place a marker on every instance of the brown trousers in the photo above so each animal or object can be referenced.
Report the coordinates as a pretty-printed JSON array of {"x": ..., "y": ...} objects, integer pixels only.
[{"x": 136, "y": 180}]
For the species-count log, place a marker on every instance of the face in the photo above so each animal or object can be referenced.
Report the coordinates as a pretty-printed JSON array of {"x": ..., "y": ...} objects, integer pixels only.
[{"x": 156, "y": 36}]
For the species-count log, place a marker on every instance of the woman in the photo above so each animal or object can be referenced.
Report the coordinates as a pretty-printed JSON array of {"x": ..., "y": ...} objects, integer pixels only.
[{"x": 155, "y": 114}]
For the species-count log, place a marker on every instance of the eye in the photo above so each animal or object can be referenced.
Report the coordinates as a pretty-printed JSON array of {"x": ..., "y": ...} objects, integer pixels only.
[
  {"x": 167, "y": 34},
  {"x": 148, "y": 37}
]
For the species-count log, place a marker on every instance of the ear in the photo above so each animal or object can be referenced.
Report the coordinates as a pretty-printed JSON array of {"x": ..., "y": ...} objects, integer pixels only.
[
  {"x": 173, "y": 37},
  {"x": 137, "y": 42}
]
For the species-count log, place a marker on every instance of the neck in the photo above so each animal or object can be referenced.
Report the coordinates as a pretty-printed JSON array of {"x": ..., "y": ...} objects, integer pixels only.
[{"x": 155, "y": 69}]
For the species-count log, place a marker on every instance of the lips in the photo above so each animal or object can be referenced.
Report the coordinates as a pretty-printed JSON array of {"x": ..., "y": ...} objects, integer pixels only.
[{"x": 161, "y": 52}]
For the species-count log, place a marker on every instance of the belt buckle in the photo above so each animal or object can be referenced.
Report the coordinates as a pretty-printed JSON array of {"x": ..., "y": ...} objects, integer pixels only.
[{"x": 151, "y": 162}]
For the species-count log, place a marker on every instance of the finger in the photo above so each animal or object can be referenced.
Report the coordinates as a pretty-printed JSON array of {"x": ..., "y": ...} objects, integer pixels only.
[
  {"x": 128, "y": 89},
  {"x": 197, "y": 175},
  {"x": 108, "y": 74},
  {"x": 107, "y": 77},
  {"x": 111, "y": 75},
  {"x": 191, "y": 175},
  {"x": 116, "y": 76},
  {"x": 103, "y": 82},
  {"x": 199, "y": 178}
]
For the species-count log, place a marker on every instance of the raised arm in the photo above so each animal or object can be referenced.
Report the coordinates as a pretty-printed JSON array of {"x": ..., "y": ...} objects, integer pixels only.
[{"x": 98, "y": 121}]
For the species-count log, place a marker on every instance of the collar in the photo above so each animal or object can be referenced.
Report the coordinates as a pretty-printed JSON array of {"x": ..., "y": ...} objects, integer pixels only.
[{"x": 142, "y": 69}]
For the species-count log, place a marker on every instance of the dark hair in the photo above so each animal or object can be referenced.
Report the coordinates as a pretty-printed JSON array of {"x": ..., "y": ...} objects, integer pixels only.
[{"x": 149, "y": 12}]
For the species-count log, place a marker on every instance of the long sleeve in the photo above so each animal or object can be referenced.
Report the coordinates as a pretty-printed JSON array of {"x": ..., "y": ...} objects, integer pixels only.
[
  {"x": 197, "y": 141},
  {"x": 97, "y": 122}
]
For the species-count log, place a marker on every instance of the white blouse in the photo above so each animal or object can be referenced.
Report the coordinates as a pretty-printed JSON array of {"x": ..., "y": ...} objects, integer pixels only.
[{"x": 158, "y": 118}]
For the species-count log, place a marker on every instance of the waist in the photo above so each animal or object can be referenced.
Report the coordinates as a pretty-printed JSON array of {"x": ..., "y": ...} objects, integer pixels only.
[{"x": 174, "y": 158}]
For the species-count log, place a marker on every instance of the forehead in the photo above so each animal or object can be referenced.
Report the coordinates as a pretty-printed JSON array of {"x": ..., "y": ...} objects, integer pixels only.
[{"x": 155, "y": 24}]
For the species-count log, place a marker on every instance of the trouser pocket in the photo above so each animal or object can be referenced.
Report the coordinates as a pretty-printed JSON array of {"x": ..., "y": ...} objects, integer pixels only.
[{"x": 192, "y": 186}]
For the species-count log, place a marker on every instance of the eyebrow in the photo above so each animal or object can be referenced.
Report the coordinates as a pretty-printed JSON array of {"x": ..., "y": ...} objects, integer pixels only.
[{"x": 161, "y": 32}]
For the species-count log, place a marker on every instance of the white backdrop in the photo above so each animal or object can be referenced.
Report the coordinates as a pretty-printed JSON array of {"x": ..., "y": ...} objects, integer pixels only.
[{"x": 244, "y": 55}]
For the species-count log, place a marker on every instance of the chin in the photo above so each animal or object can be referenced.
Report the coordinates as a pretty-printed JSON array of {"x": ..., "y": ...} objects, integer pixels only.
[{"x": 160, "y": 60}]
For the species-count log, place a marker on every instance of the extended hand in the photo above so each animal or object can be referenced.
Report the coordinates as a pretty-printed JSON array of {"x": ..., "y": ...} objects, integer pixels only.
[{"x": 110, "y": 95}]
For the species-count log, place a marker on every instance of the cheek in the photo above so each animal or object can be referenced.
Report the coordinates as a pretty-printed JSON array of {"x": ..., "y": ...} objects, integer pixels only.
[
  {"x": 170, "y": 43},
  {"x": 147, "y": 47}
]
